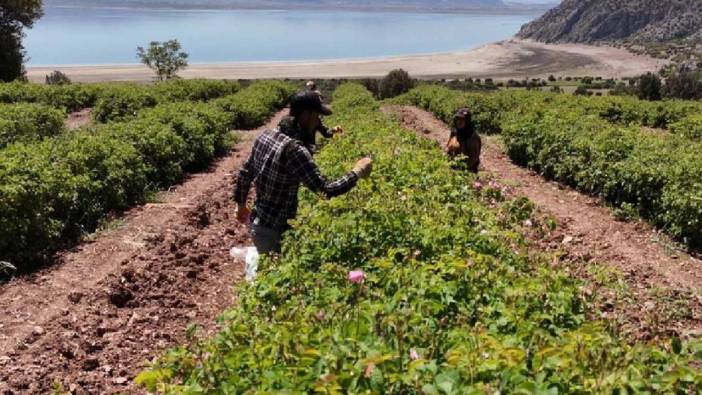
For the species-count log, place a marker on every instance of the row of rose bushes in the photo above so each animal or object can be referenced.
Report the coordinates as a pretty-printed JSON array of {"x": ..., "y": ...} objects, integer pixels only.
[
  {"x": 651, "y": 174},
  {"x": 26, "y": 122},
  {"x": 115, "y": 100},
  {"x": 414, "y": 282},
  {"x": 55, "y": 190},
  {"x": 673, "y": 115}
]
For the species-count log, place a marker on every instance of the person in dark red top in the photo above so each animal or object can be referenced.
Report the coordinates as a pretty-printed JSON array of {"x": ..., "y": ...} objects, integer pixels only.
[{"x": 464, "y": 140}]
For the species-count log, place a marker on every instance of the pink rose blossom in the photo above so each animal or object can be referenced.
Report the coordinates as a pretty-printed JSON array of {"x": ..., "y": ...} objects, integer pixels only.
[
  {"x": 369, "y": 370},
  {"x": 356, "y": 276},
  {"x": 478, "y": 185},
  {"x": 413, "y": 354}
]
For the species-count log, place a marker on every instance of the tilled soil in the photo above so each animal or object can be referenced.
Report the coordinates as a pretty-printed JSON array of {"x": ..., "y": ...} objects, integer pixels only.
[
  {"x": 79, "y": 118},
  {"x": 89, "y": 323},
  {"x": 661, "y": 295}
]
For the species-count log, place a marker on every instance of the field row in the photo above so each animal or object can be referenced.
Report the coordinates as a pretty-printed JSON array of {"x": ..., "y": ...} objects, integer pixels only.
[
  {"x": 415, "y": 282},
  {"x": 31, "y": 111},
  {"x": 651, "y": 174},
  {"x": 57, "y": 189}
]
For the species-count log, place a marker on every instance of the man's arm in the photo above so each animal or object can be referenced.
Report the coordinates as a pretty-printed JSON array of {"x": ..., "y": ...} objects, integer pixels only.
[
  {"x": 244, "y": 181},
  {"x": 302, "y": 165},
  {"x": 325, "y": 131}
]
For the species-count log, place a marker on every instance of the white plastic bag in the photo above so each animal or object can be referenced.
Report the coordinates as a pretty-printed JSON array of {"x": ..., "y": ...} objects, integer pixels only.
[{"x": 248, "y": 255}]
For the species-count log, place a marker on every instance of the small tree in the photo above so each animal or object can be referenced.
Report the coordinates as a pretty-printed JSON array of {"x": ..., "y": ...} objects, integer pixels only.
[
  {"x": 373, "y": 85},
  {"x": 395, "y": 83},
  {"x": 57, "y": 78},
  {"x": 582, "y": 91},
  {"x": 685, "y": 85},
  {"x": 649, "y": 87},
  {"x": 164, "y": 58},
  {"x": 15, "y": 16}
]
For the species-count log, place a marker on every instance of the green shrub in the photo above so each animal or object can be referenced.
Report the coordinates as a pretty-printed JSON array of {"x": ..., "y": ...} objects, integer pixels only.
[
  {"x": 395, "y": 83},
  {"x": 176, "y": 90},
  {"x": 121, "y": 102},
  {"x": 690, "y": 127},
  {"x": 444, "y": 103},
  {"x": 25, "y": 122},
  {"x": 203, "y": 129},
  {"x": 59, "y": 188},
  {"x": 69, "y": 97},
  {"x": 163, "y": 151},
  {"x": 251, "y": 106},
  {"x": 452, "y": 301},
  {"x": 623, "y": 166},
  {"x": 57, "y": 78}
]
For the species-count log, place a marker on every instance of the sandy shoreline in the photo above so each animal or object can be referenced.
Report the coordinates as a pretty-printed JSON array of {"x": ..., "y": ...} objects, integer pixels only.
[{"x": 508, "y": 59}]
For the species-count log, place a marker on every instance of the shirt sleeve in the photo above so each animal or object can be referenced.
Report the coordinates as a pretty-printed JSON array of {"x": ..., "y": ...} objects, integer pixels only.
[
  {"x": 303, "y": 166},
  {"x": 325, "y": 131},
  {"x": 244, "y": 180}
]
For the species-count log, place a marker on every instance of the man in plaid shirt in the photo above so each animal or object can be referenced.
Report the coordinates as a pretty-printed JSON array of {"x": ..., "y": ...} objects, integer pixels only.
[{"x": 281, "y": 160}]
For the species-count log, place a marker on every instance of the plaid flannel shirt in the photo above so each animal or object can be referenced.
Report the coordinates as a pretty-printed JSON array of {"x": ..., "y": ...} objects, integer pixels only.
[{"x": 278, "y": 165}]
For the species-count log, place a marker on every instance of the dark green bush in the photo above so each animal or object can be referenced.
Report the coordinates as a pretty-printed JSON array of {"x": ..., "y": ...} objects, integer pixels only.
[
  {"x": 623, "y": 166},
  {"x": 690, "y": 127},
  {"x": 25, "y": 122},
  {"x": 121, "y": 102},
  {"x": 57, "y": 189},
  {"x": 444, "y": 103},
  {"x": 57, "y": 78},
  {"x": 395, "y": 83},
  {"x": 69, "y": 97},
  {"x": 203, "y": 129},
  {"x": 176, "y": 90},
  {"x": 684, "y": 85},
  {"x": 649, "y": 87},
  {"x": 251, "y": 106}
]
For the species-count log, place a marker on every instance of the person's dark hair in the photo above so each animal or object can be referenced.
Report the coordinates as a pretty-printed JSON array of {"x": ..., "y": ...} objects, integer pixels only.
[{"x": 468, "y": 129}]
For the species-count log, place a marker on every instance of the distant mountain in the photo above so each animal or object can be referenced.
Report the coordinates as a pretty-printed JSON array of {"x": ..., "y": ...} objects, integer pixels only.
[
  {"x": 634, "y": 22},
  {"x": 222, "y": 4}
]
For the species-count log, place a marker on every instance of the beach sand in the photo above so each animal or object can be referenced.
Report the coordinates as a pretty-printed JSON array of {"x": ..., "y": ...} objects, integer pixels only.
[{"x": 513, "y": 58}]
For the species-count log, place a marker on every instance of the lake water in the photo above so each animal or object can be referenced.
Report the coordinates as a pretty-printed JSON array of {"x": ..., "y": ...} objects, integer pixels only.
[{"x": 70, "y": 36}]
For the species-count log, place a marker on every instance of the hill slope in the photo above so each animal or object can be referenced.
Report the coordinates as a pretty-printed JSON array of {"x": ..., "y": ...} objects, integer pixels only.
[{"x": 632, "y": 21}]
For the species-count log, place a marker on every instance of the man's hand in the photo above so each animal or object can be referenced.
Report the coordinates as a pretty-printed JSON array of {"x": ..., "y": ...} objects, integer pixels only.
[
  {"x": 363, "y": 167},
  {"x": 243, "y": 214}
]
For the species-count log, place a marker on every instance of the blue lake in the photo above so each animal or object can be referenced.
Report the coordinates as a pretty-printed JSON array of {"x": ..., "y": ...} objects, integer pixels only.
[{"x": 73, "y": 36}]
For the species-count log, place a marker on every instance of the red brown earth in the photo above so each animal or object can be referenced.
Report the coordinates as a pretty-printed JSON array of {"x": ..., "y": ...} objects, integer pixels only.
[
  {"x": 90, "y": 322},
  {"x": 662, "y": 284},
  {"x": 79, "y": 118}
]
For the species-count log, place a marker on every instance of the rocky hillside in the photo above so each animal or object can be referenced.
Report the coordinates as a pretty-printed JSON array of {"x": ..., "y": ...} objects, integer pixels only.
[{"x": 629, "y": 21}]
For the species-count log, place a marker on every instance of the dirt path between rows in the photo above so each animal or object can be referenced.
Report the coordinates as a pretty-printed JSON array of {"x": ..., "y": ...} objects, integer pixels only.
[
  {"x": 92, "y": 320},
  {"x": 663, "y": 284}
]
